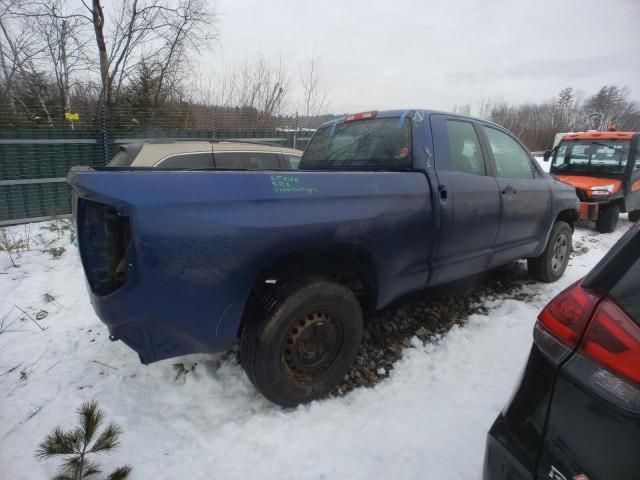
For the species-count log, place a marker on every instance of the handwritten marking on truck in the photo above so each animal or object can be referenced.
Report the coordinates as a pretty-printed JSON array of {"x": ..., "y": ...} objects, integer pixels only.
[{"x": 289, "y": 184}]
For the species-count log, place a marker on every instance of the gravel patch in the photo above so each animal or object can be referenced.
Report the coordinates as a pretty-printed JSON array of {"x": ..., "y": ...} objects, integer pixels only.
[{"x": 427, "y": 315}]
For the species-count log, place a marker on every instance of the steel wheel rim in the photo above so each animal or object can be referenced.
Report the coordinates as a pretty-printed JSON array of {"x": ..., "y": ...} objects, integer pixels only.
[
  {"x": 312, "y": 346},
  {"x": 560, "y": 253}
]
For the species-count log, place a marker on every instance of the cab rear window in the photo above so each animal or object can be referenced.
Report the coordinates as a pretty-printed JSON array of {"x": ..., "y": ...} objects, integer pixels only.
[{"x": 374, "y": 143}]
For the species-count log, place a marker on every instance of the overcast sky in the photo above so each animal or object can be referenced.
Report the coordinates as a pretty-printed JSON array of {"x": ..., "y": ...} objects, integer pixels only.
[{"x": 436, "y": 54}]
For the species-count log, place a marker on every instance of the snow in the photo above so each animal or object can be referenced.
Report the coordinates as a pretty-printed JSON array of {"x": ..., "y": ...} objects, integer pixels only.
[
  {"x": 545, "y": 165},
  {"x": 427, "y": 420}
]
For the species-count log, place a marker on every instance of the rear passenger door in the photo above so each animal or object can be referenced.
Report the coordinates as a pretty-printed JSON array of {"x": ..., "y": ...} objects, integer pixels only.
[
  {"x": 469, "y": 199},
  {"x": 525, "y": 196}
]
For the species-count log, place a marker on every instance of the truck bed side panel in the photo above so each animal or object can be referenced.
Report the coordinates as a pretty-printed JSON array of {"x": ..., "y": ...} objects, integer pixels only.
[{"x": 199, "y": 240}]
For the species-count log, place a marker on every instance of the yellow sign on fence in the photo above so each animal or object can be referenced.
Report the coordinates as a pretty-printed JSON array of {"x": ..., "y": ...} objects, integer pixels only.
[{"x": 71, "y": 116}]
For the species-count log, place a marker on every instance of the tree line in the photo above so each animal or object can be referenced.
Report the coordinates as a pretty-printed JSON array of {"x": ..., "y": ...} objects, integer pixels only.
[
  {"x": 570, "y": 111},
  {"x": 129, "y": 67}
]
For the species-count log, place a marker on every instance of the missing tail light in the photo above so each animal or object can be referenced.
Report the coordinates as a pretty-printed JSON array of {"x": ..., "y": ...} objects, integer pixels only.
[{"x": 104, "y": 238}]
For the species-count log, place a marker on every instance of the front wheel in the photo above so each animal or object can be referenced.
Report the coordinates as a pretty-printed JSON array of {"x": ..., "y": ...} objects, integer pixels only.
[
  {"x": 305, "y": 343},
  {"x": 608, "y": 219},
  {"x": 550, "y": 266},
  {"x": 634, "y": 216}
]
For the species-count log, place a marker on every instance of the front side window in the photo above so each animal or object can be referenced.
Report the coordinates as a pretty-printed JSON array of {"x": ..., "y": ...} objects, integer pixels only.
[
  {"x": 372, "y": 143},
  {"x": 608, "y": 156},
  {"x": 512, "y": 161},
  {"x": 464, "y": 147}
]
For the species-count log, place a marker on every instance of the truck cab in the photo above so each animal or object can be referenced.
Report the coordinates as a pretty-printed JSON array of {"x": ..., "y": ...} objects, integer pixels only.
[{"x": 604, "y": 167}]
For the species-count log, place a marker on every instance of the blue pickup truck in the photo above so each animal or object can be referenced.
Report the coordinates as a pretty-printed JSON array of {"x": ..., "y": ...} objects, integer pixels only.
[{"x": 285, "y": 262}]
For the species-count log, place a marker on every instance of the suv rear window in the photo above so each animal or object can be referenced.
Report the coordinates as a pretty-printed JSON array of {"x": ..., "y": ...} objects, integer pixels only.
[{"x": 375, "y": 143}]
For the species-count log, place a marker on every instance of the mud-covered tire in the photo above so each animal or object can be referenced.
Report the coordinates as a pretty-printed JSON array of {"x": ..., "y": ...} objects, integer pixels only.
[
  {"x": 551, "y": 265},
  {"x": 634, "y": 216},
  {"x": 304, "y": 344},
  {"x": 608, "y": 219}
]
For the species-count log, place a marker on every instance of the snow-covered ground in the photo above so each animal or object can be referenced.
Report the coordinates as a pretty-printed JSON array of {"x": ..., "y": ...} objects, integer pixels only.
[
  {"x": 427, "y": 420},
  {"x": 545, "y": 165}
]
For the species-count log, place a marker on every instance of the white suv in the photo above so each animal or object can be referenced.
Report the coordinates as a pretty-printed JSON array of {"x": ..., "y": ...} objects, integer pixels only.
[{"x": 205, "y": 154}]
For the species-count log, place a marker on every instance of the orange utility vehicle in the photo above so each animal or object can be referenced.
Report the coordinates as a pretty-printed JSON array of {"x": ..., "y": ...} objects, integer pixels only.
[{"x": 605, "y": 169}]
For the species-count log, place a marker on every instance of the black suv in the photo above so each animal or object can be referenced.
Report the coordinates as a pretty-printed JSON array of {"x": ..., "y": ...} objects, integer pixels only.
[{"x": 576, "y": 413}]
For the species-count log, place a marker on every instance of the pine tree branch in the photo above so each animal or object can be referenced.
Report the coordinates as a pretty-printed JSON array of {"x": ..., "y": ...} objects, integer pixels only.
[
  {"x": 91, "y": 419},
  {"x": 108, "y": 439},
  {"x": 120, "y": 473}
]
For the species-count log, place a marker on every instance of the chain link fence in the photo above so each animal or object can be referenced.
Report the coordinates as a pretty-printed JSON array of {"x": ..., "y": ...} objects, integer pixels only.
[{"x": 37, "y": 150}]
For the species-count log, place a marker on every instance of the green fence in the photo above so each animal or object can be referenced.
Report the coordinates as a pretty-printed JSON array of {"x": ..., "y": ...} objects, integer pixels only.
[{"x": 34, "y": 163}]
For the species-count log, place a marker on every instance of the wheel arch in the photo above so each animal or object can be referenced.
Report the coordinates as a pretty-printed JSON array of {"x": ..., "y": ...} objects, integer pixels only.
[
  {"x": 568, "y": 215},
  {"x": 348, "y": 264}
]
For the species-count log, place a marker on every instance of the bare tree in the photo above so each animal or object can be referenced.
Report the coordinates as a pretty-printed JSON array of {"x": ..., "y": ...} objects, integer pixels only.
[
  {"x": 314, "y": 89},
  {"x": 18, "y": 55},
  {"x": 189, "y": 26},
  {"x": 64, "y": 43},
  {"x": 151, "y": 30},
  {"x": 262, "y": 86},
  {"x": 464, "y": 109}
]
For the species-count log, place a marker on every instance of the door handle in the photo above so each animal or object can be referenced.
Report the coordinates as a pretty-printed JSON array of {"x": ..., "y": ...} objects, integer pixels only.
[
  {"x": 509, "y": 190},
  {"x": 442, "y": 189}
]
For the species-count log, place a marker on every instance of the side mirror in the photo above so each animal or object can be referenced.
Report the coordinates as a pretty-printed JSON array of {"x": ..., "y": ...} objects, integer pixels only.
[{"x": 547, "y": 155}]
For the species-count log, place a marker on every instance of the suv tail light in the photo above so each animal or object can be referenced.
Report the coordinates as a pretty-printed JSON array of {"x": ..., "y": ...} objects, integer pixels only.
[
  {"x": 613, "y": 341},
  {"x": 566, "y": 316},
  {"x": 600, "y": 341}
]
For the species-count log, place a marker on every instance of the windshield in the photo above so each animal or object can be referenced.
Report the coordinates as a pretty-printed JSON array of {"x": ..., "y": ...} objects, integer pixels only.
[
  {"x": 376, "y": 143},
  {"x": 608, "y": 156}
]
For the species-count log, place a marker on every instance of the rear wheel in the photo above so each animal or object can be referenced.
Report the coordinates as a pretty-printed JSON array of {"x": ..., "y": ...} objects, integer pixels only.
[
  {"x": 608, "y": 219},
  {"x": 550, "y": 266},
  {"x": 634, "y": 216},
  {"x": 305, "y": 343}
]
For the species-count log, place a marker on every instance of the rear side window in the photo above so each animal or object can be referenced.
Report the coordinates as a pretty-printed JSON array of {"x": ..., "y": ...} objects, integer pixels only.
[
  {"x": 512, "y": 161},
  {"x": 247, "y": 160},
  {"x": 188, "y": 160},
  {"x": 464, "y": 148},
  {"x": 375, "y": 143}
]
